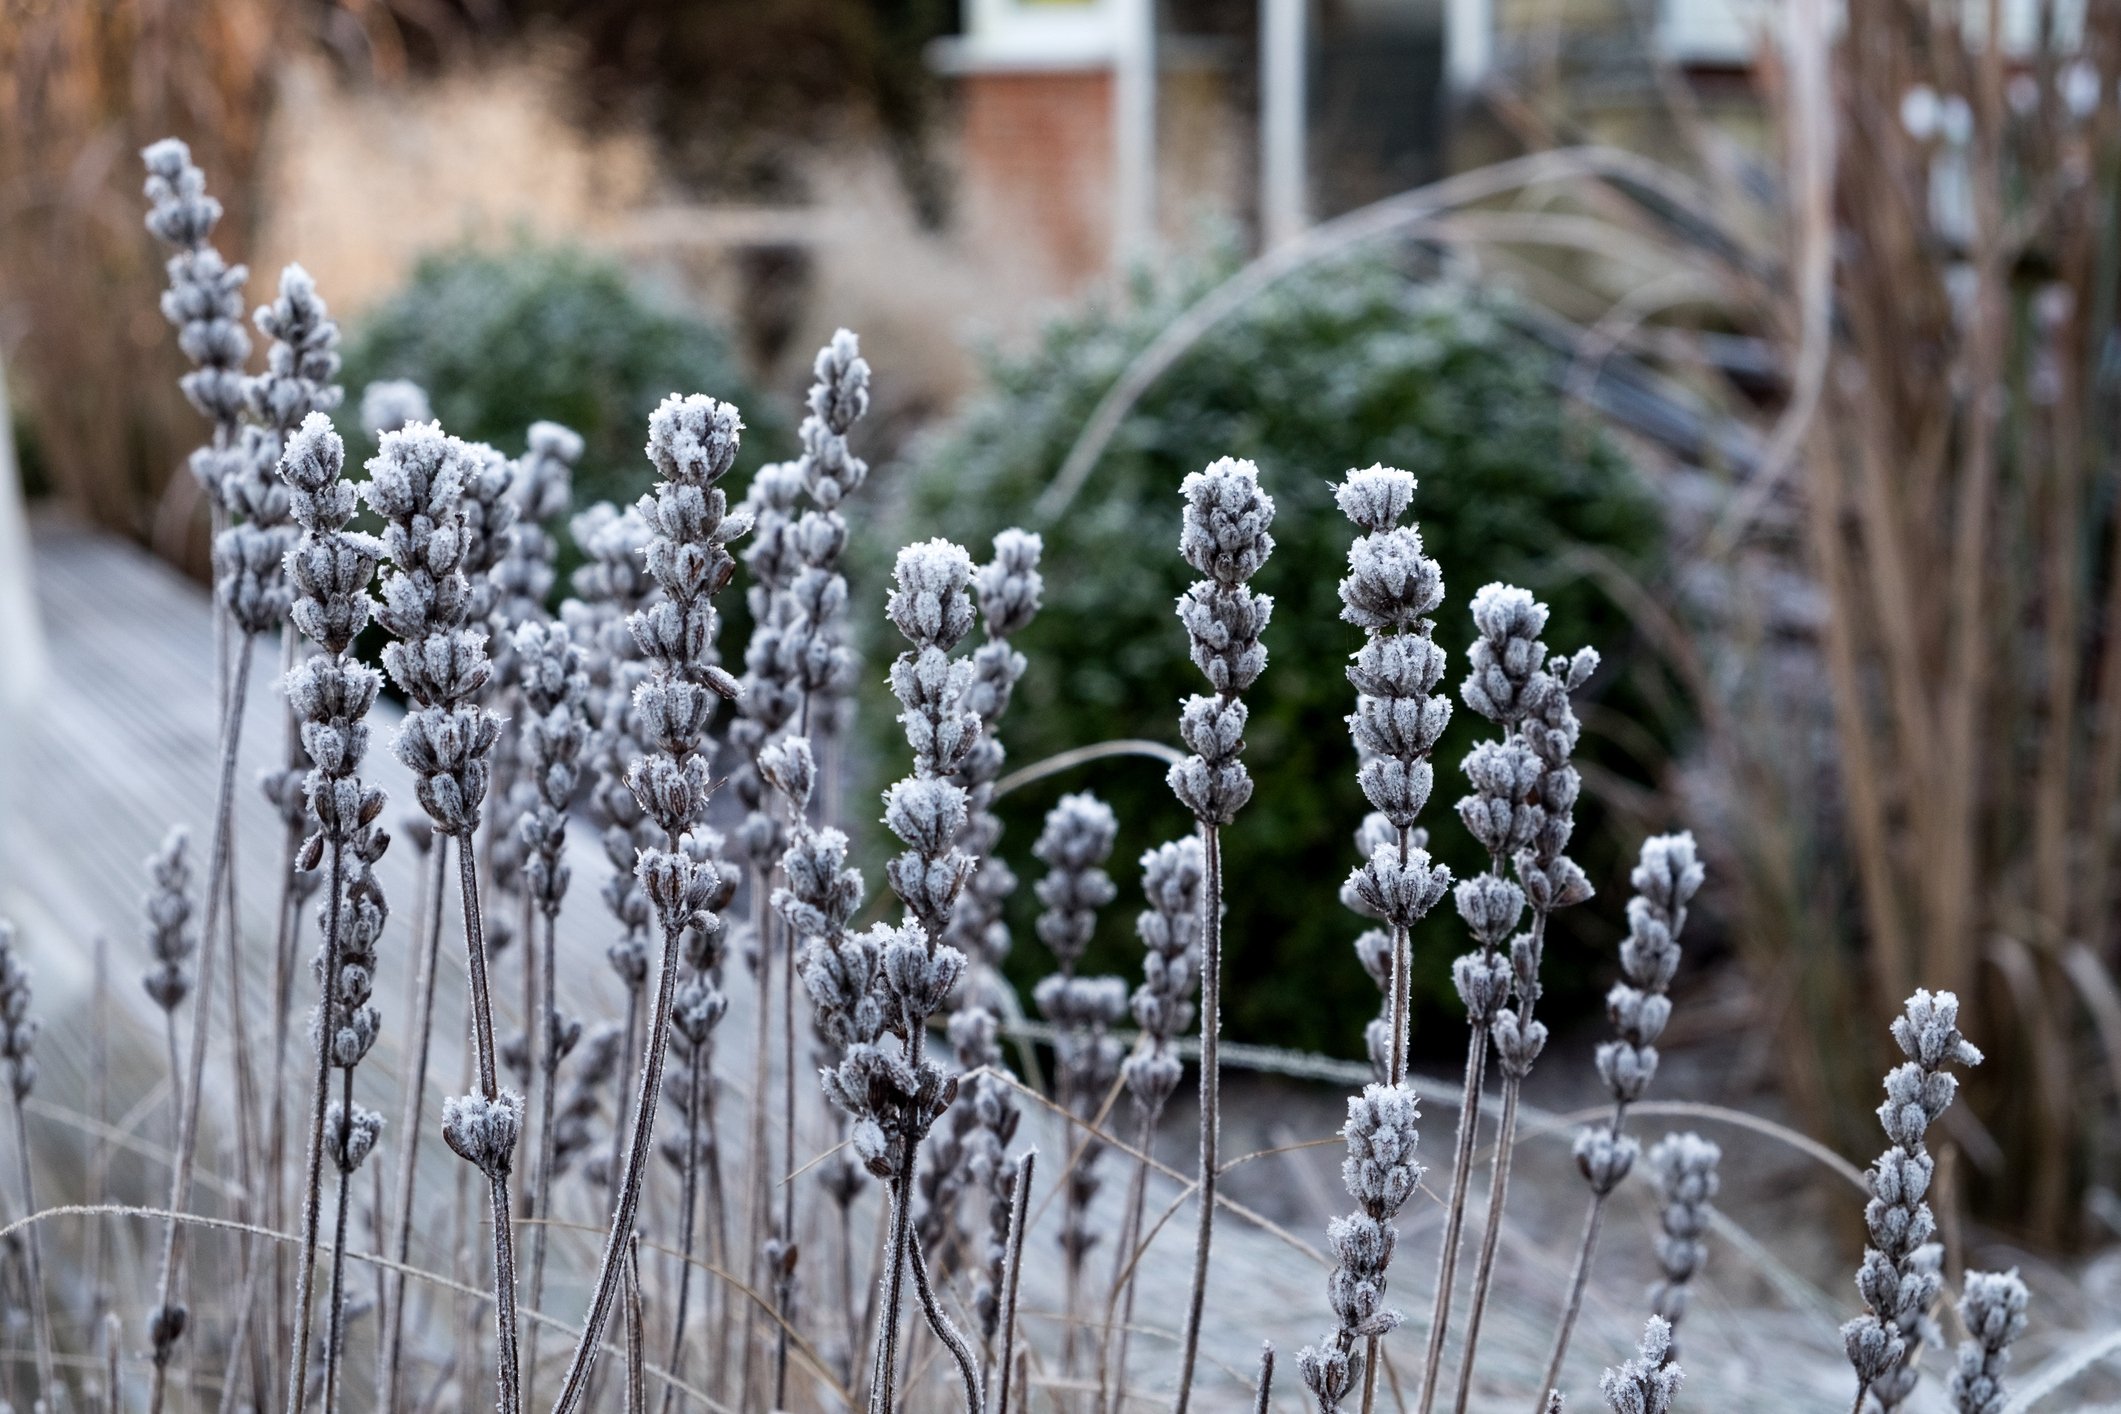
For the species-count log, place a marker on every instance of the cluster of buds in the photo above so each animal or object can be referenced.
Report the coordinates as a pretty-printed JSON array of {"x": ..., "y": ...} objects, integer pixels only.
[
  {"x": 1223, "y": 536},
  {"x": 1170, "y": 931},
  {"x": 972, "y": 1151},
  {"x": 1900, "y": 1274},
  {"x": 1992, "y": 1308},
  {"x": 1522, "y": 809},
  {"x": 168, "y": 907},
  {"x": 1391, "y": 589},
  {"x": 1665, "y": 877},
  {"x": 1074, "y": 845},
  {"x": 1684, "y": 1169},
  {"x": 1649, "y": 1383},
  {"x": 1381, "y": 1174},
  {"x": 205, "y": 303},
  {"x": 416, "y": 486}
]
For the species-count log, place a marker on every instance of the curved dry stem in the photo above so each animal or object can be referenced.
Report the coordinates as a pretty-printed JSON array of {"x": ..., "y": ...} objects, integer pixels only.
[
  {"x": 1082, "y": 756},
  {"x": 1111, "y": 1363},
  {"x": 188, "y": 1128},
  {"x": 1395, "y": 215},
  {"x": 882, "y": 1392},
  {"x": 335, "y": 1318},
  {"x": 953, "y": 1340}
]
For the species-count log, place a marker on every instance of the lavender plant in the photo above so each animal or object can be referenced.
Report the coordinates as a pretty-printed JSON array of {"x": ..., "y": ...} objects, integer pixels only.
[
  {"x": 1076, "y": 842},
  {"x": 553, "y": 688},
  {"x": 1390, "y": 590},
  {"x": 1173, "y": 875},
  {"x": 1521, "y": 809},
  {"x": 1223, "y": 536},
  {"x": 1683, "y": 1168},
  {"x": 1992, "y": 1309},
  {"x": 692, "y": 443},
  {"x": 1665, "y": 878},
  {"x": 874, "y": 992},
  {"x": 971, "y": 1152},
  {"x": 331, "y": 693},
  {"x": 1381, "y": 1174},
  {"x": 170, "y": 943},
  {"x": 18, "y": 1039},
  {"x": 1900, "y": 1275},
  {"x": 417, "y": 483}
]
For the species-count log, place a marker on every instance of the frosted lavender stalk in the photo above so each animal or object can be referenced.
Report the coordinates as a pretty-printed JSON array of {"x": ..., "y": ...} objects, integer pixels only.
[
  {"x": 872, "y": 994},
  {"x": 1076, "y": 842},
  {"x": 1649, "y": 1383},
  {"x": 553, "y": 688},
  {"x": 18, "y": 1037},
  {"x": 331, "y": 693},
  {"x": 1683, "y": 1168},
  {"x": 1900, "y": 1274},
  {"x": 1381, "y": 1174},
  {"x": 971, "y": 1150},
  {"x": 1522, "y": 808},
  {"x": 1665, "y": 877},
  {"x": 1170, "y": 930},
  {"x": 1224, "y": 537},
  {"x": 417, "y": 486},
  {"x": 1992, "y": 1308},
  {"x": 692, "y": 442},
  {"x": 205, "y": 303}
]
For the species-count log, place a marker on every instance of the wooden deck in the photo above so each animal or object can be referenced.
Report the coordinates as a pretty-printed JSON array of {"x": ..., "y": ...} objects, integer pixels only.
[{"x": 119, "y": 744}]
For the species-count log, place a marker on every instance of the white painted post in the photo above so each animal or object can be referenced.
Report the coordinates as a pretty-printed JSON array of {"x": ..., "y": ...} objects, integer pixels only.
[
  {"x": 1134, "y": 128},
  {"x": 1469, "y": 43},
  {"x": 1284, "y": 178}
]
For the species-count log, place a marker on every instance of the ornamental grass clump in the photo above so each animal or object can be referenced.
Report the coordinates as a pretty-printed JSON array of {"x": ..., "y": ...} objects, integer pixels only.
[
  {"x": 1902, "y": 1267},
  {"x": 1665, "y": 878},
  {"x": 1223, "y": 535}
]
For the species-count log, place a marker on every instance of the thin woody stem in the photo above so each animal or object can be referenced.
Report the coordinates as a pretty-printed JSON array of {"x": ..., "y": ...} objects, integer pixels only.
[
  {"x": 624, "y": 1210},
  {"x": 335, "y": 1308},
  {"x": 1211, "y": 976},
  {"x": 948, "y": 1334},
  {"x": 504, "y": 1265},
  {"x": 544, "y": 1041},
  {"x": 414, "y": 1099},
  {"x": 1592, "y": 1219},
  {"x": 313, "y": 1182},
  {"x": 1012, "y": 1274},
  {"x": 188, "y": 1128},
  {"x": 1455, "y": 1214}
]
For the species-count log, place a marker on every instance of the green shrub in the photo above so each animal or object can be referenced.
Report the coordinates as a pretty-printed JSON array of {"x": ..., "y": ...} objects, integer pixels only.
[
  {"x": 1339, "y": 368},
  {"x": 502, "y": 338}
]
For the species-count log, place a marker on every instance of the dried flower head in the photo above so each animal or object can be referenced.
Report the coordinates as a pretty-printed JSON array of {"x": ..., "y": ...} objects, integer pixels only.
[
  {"x": 1901, "y": 1267},
  {"x": 1648, "y": 1384},
  {"x": 389, "y": 404},
  {"x": 1992, "y": 1308},
  {"x": 1683, "y": 1167},
  {"x": 168, "y": 907},
  {"x": 18, "y": 1029},
  {"x": 1224, "y": 536}
]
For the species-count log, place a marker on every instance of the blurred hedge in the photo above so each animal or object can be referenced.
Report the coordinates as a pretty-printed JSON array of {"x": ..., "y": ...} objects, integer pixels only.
[
  {"x": 1337, "y": 368},
  {"x": 500, "y": 339}
]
